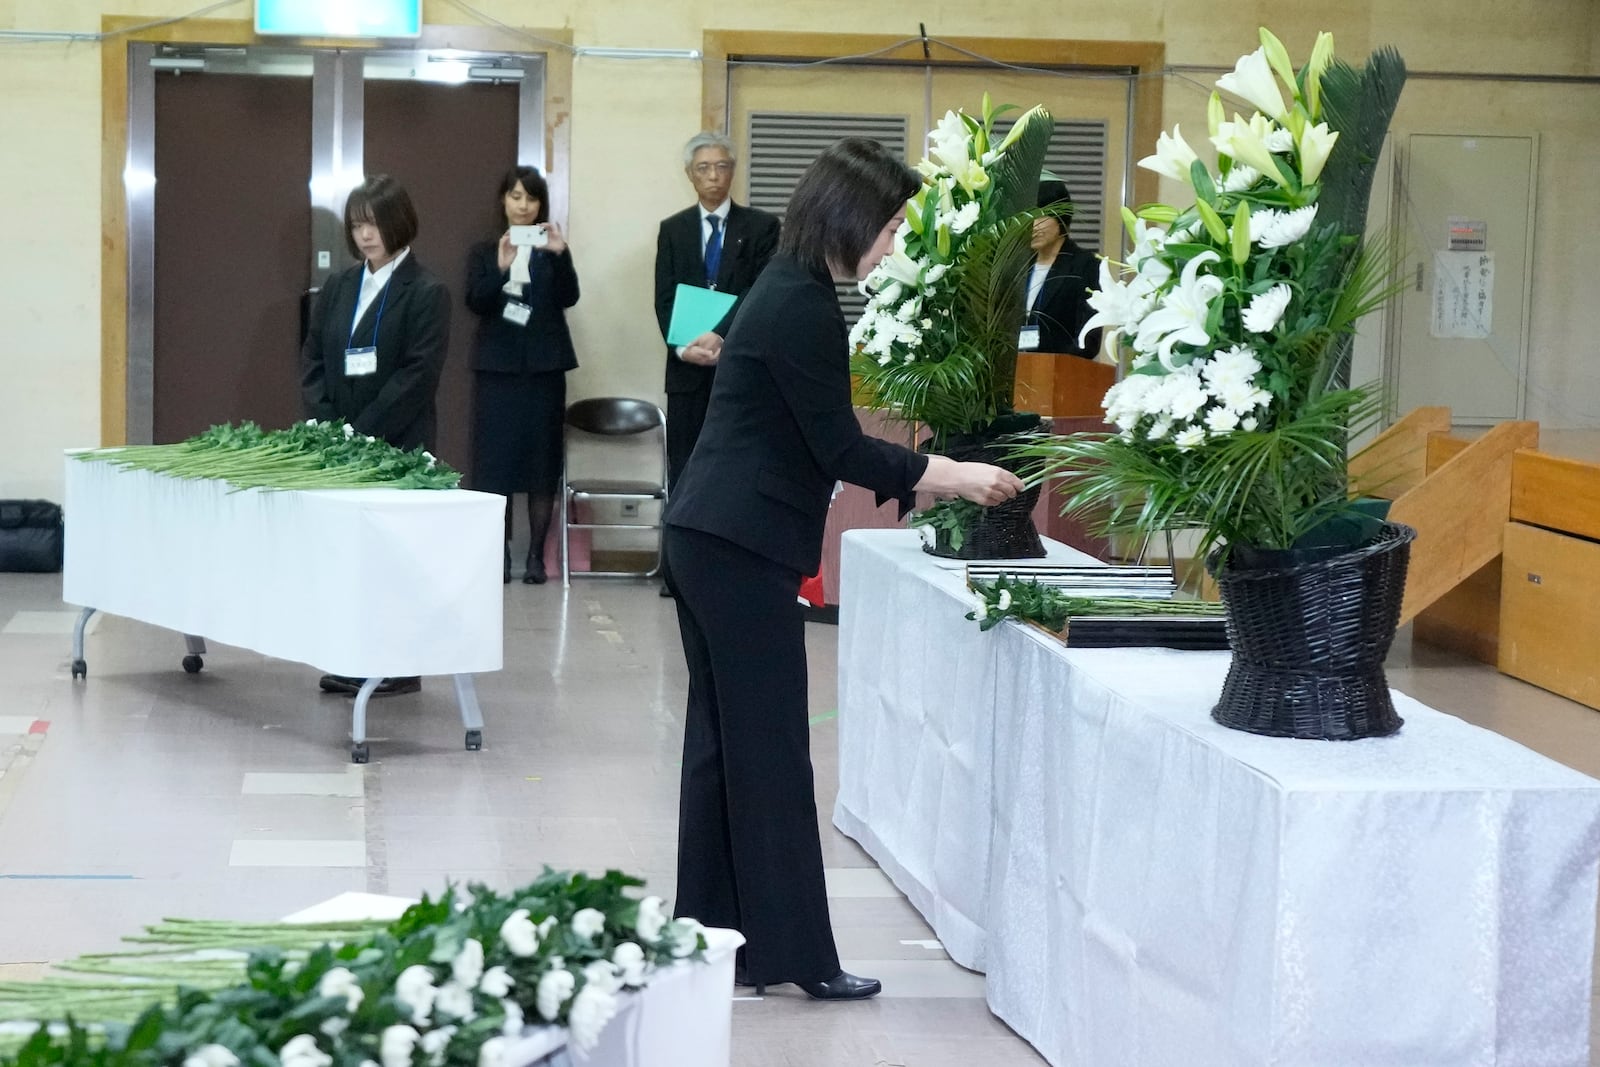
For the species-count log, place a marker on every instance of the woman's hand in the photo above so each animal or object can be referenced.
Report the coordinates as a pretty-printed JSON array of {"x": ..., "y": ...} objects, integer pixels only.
[
  {"x": 508, "y": 252},
  {"x": 977, "y": 482},
  {"x": 555, "y": 241}
]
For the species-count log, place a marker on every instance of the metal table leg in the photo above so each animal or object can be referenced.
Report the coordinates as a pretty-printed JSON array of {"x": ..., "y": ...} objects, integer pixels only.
[
  {"x": 196, "y": 647},
  {"x": 80, "y": 668},
  {"x": 358, "y": 721},
  {"x": 471, "y": 714}
]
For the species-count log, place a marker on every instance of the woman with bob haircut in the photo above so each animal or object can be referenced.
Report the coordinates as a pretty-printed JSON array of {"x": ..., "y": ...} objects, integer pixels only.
[
  {"x": 744, "y": 525},
  {"x": 520, "y": 358},
  {"x": 376, "y": 341}
]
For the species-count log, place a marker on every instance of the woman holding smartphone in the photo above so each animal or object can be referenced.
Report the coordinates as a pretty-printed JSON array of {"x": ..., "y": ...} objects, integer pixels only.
[{"x": 520, "y": 286}]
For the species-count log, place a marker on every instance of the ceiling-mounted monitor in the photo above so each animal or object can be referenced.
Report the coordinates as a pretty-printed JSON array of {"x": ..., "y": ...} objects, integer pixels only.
[{"x": 339, "y": 18}]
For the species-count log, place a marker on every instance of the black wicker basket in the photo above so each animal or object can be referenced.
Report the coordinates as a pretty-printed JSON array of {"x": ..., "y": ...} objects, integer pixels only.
[
  {"x": 1309, "y": 642},
  {"x": 1005, "y": 531}
]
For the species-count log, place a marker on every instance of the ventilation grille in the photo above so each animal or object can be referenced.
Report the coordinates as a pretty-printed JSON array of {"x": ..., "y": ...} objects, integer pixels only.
[{"x": 1077, "y": 155}]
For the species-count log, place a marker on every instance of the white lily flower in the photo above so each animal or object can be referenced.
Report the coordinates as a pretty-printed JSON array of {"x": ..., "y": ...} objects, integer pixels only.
[
  {"x": 1115, "y": 305},
  {"x": 1271, "y": 228},
  {"x": 518, "y": 934},
  {"x": 1266, "y": 309},
  {"x": 1173, "y": 156},
  {"x": 514, "y": 1023},
  {"x": 497, "y": 982},
  {"x": 302, "y": 1051},
  {"x": 1252, "y": 80},
  {"x": 414, "y": 989},
  {"x": 555, "y": 986},
  {"x": 435, "y": 1043},
  {"x": 592, "y": 1008},
  {"x": 1181, "y": 315},
  {"x": 492, "y": 1053},
  {"x": 454, "y": 1000},
  {"x": 1316, "y": 143},
  {"x": 588, "y": 924},
  {"x": 396, "y": 1045},
  {"x": 652, "y": 917},
  {"x": 1316, "y": 66},
  {"x": 1190, "y": 438},
  {"x": 467, "y": 967},
  {"x": 630, "y": 962},
  {"x": 1247, "y": 142},
  {"x": 951, "y": 142},
  {"x": 1004, "y": 602},
  {"x": 211, "y": 1056},
  {"x": 341, "y": 982}
]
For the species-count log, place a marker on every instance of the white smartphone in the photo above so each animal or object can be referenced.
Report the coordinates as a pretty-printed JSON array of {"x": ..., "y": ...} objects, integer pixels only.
[{"x": 531, "y": 236}]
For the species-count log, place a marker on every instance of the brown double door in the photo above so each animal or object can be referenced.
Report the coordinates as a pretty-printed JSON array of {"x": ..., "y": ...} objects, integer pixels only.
[{"x": 233, "y": 233}]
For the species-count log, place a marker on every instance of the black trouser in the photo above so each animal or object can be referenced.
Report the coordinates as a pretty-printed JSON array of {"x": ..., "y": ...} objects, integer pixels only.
[
  {"x": 749, "y": 856},
  {"x": 686, "y": 413}
]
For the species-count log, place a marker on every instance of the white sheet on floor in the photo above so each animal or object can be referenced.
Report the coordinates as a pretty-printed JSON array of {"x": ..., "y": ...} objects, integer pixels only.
[
  {"x": 1145, "y": 887},
  {"x": 362, "y": 582}
]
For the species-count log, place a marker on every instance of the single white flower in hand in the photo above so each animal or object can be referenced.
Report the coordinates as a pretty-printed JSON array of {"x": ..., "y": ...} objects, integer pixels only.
[
  {"x": 519, "y": 935},
  {"x": 555, "y": 986},
  {"x": 497, "y": 982},
  {"x": 396, "y": 1045},
  {"x": 211, "y": 1056},
  {"x": 1266, "y": 309}
]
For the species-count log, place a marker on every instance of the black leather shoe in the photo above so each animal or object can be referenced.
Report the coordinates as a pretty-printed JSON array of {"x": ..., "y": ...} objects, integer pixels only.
[
  {"x": 535, "y": 574},
  {"x": 395, "y": 686},
  {"x": 339, "y": 683},
  {"x": 842, "y": 986}
]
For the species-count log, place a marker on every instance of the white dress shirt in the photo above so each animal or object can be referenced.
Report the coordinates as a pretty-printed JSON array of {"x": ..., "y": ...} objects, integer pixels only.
[
  {"x": 705, "y": 227},
  {"x": 373, "y": 283}
]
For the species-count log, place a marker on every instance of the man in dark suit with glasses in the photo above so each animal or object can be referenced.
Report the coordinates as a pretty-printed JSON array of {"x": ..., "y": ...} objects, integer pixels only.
[{"x": 715, "y": 244}]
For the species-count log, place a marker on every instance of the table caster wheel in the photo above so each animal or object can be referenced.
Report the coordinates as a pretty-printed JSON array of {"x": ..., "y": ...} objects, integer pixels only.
[
  {"x": 192, "y": 664},
  {"x": 474, "y": 740},
  {"x": 358, "y": 753},
  {"x": 80, "y": 669}
]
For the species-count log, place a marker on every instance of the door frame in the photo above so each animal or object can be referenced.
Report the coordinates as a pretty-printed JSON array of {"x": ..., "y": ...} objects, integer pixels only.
[{"x": 120, "y": 199}]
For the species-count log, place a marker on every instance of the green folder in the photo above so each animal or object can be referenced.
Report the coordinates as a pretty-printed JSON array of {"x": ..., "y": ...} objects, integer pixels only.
[{"x": 694, "y": 311}]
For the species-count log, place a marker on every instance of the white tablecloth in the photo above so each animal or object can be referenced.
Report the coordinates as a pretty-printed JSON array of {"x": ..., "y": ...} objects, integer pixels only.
[
  {"x": 682, "y": 1018},
  {"x": 362, "y": 582},
  {"x": 1143, "y": 887}
]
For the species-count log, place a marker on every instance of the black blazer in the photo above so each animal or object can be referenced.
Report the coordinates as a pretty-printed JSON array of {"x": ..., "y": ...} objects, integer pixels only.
[
  {"x": 397, "y": 402},
  {"x": 781, "y": 429},
  {"x": 545, "y": 343},
  {"x": 1063, "y": 304},
  {"x": 748, "y": 242}
]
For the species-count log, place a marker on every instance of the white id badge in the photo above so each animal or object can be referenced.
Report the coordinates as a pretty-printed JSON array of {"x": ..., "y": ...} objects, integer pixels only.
[
  {"x": 360, "y": 362},
  {"x": 1028, "y": 340},
  {"x": 516, "y": 312}
]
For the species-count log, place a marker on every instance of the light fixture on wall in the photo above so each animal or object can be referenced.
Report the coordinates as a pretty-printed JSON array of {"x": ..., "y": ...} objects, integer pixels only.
[
  {"x": 495, "y": 74},
  {"x": 637, "y": 53}
]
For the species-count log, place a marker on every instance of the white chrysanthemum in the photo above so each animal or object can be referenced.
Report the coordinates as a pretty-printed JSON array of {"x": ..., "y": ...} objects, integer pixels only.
[
  {"x": 1193, "y": 437},
  {"x": 454, "y": 1001},
  {"x": 1221, "y": 420},
  {"x": 302, "y": 1051},
  {"x": 497, "y": 982},
  {"x": 909, "y": 310},
  {"x": 1124, "y": 402},
  {"x": 518, "y": 934},
  {"x": 492, "y": 1053},
  {"x": 964, "y": 218},
  {"x": 1244, "y": 397},
  {"x": 1004, "y": 603},
  {"x": 630, "y": 962},
  {"x": 588, "y": 924},
  {"x": 1159, "y": 429},
  {"x": 341, "y": 982},
  {"x": 1249, "y": 423},
  {"x": 591, "y": 1009},
  {"x": 396, "y": 1045},
  {"x": 935, "y": 272},
  {"x": 1240, "y": 178},
  {"x": 1266, "y": 309},
  {"x": 514, "y": 1023},
  {"x": 684, "y": 935},
  {"x": 435, "y": 1043},
  {"x": 467, "y": 967},
  {"x": 211, "y": 1056},
  {"x": 652, "y": 917},
  {"x": 555, "y": 986},
  {"x": 1279, "y": 140},
  {"x": 1230, "y": 368},
  {"x": 1271, "y": 228},
  {"x": 414, "y": 989}
]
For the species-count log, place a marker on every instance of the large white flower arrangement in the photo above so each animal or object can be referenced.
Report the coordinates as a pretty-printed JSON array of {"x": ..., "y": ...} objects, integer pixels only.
[
  {"x": 936, "y": 340},
  {"x": 1234, "y": 316}
]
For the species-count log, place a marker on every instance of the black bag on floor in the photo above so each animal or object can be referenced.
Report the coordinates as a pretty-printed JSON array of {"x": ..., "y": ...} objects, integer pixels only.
[{"x": 32, "y": 536}]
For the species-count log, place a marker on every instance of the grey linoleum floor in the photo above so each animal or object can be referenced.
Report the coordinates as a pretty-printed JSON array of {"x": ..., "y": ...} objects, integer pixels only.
[{"x": 229, "y": 793}]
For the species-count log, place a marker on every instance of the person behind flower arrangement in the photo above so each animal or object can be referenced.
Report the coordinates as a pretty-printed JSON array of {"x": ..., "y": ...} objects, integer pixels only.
[
  {"x": 742, "y": 528},
  {"x": 1058, "y": 287},
  {"x": 520, "y": 359},
  {"x": 376, "y": 341}
]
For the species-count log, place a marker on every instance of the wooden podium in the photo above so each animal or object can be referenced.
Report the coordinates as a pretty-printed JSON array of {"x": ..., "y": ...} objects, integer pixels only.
[{"x": 1062, "y": 386}]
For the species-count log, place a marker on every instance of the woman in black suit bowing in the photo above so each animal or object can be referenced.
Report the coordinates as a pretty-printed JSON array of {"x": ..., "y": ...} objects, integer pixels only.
[
  {"x": 375, "y": 343},
  {"x": 520, "y": 360},
  {"x": 743, "y": 526}
]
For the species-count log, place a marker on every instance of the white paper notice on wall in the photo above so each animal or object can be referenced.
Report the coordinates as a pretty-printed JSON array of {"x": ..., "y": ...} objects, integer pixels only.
[{"x": 1463, "y": 295}]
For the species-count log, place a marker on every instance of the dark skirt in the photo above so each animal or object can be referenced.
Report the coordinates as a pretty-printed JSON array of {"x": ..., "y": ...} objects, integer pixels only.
[{"x": 517, "y": 431}]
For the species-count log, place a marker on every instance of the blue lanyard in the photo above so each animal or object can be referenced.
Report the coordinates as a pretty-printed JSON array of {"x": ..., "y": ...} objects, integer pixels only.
[{"x": 355, "y": 320}]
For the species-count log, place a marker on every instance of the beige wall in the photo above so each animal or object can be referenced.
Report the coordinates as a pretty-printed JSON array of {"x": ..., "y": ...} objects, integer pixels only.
[{"x": 630, "y": 118}]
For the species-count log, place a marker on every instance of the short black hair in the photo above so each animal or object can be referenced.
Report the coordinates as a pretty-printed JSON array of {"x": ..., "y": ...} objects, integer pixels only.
[
  {"x": 532, "y": 183},
  {"x": 843, "y": 201},
  {"x": 1053, "y": 191},
  {"x": 383, "y": 202}
]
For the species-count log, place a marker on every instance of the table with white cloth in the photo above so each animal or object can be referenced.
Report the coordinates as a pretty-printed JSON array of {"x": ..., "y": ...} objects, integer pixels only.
[
  {"x": 682, "y": 1018},
  {"x": 1144, "y": 887},
  {"x": 367, "y": 583}
]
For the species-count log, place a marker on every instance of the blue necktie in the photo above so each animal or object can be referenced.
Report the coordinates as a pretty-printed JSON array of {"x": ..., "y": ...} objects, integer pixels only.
[{"x": 713, "y": 250}]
